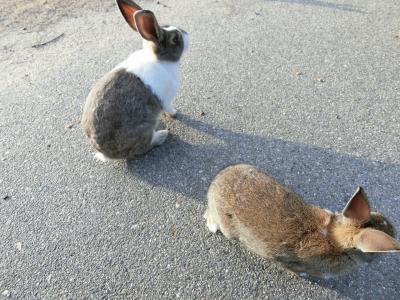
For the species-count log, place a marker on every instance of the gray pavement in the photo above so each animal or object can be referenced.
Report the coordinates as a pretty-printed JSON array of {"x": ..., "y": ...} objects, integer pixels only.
[{"x": 307, "y": 90}]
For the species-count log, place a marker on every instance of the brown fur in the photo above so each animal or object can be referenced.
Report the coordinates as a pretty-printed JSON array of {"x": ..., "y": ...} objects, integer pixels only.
[
  {"x": 274, "y": 222},
  {"x": 120, "y": 115}
]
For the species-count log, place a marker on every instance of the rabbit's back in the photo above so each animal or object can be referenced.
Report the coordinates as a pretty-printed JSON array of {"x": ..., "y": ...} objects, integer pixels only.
[
  {"x": 267, "y": 217},
  {"x": 120, "y": 115}
]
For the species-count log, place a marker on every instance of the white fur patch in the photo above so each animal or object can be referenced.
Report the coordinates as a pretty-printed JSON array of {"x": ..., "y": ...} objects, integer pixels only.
[
  {"x": 213, "y": 227},
  {"x": 170, "y": 28},
  {"x": 161, "y": 77},
  {"x": 101, "y": 157}
]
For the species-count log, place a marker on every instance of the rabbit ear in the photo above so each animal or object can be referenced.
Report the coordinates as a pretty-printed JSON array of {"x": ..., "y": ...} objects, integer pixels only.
[
  {"x": 372, "y": 240},
  {"x": 128, "y": 9},
  {"x": 147, "y": 25},
  {"x": 358, "y": 206}
]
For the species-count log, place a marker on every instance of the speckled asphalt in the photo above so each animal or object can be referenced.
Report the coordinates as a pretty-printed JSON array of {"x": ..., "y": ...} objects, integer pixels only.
[{"x": 307, "y": 90}]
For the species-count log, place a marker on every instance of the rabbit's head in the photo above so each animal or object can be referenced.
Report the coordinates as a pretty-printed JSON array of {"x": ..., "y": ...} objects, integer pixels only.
[
  {"x": 360, "y": 232},
  {"x": 167, "y": 42},
  {"x": 355, "y": 236}
]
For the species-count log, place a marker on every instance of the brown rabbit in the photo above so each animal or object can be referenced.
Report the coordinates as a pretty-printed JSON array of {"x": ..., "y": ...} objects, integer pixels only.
[{"x": 274, "y": 222}]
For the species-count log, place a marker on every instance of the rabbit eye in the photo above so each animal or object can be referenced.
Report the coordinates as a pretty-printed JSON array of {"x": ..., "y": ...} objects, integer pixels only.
[{"x": 175, "y": 40}]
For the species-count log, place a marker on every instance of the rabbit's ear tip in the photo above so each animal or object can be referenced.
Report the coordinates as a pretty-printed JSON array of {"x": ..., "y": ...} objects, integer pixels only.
[
  {"x": 357, "y": 207},
  {"x": 128, "y": 8}
]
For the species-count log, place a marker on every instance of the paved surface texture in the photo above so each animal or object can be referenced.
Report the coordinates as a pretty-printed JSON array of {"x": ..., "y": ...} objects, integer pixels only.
[{"x": 307, "y": 90}]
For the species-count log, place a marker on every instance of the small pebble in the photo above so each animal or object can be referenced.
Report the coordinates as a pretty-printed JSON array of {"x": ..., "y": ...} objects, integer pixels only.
[
  {"x": 177, "y": 205},
  {"x": 172, "y": 231},
  {"x": 159, "y": 3},
  {"x": 202, "y": 114},
  {"x": 298, "y": 73},
  {"x": 319, "y": 79},
  {"x": 6, "y": 197},
  {"x": 6, "y": 293},
  {"x": 69, "y": 126},
  {"x": 18, "y": 245}
]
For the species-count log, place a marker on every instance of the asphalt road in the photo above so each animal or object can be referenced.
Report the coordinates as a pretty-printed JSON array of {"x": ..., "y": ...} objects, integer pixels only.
[{"x": 307, "y": 90}]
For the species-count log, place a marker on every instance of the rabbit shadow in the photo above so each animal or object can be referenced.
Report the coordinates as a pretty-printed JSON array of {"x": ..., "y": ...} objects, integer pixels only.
[
  {"x": 324, "y": 4},
  {"x": 320, "y": 176},
  {"x": 377, "y": 280}
]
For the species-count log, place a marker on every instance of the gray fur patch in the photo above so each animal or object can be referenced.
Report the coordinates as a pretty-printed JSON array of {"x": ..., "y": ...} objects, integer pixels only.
[
  {"x": 170, "y": 46},
  {"x": 120, "y": 115}
]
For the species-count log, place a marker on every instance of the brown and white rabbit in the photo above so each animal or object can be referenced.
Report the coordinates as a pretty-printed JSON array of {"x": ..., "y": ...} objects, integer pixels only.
[
  {"x": 274, "y": 222},
  {"x": 123, "y": 108}
]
